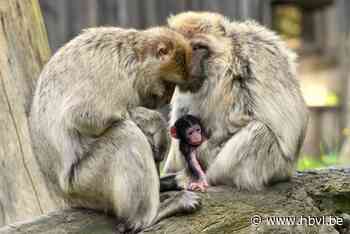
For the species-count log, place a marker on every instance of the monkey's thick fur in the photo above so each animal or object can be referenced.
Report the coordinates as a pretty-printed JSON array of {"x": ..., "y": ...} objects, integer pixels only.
[
  {"x": 155, "y": 128},
  {"x": 89, "y": 138},
  {"x": 250, "y": 104}
]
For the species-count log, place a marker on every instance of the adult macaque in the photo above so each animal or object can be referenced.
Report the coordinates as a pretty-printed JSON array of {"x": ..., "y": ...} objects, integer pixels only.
[
  {"x": 89, "y": 141},
  {"x": 250, "y": 103},
  {"x": 190, "y": 133}
]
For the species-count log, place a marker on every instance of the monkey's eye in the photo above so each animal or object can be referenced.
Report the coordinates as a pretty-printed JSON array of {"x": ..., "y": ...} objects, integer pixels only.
[
  {"x": 163, "y": 51},
  {"x": 190, "y": 132},
  {"x": 199, "y": 46},
  {"x": 196, "y": 128}
]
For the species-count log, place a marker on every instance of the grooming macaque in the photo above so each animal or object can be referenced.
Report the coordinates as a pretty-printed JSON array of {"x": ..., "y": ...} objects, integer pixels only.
[
  {"x": 190, "y": 133},
  {"x": 92, "y": 142},
  {"x": 250, "y": 103}
]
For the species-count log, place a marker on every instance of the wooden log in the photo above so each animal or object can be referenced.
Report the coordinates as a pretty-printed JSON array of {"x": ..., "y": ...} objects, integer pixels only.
[{"x": 310, "y": 194}]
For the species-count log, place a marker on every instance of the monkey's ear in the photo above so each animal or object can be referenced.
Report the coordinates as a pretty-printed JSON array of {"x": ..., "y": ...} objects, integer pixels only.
[
  {"x": 173, "y": 132},
  {"x": 162, "y": 51}
]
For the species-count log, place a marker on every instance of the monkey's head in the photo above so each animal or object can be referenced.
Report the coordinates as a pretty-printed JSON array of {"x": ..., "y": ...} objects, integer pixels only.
[
  {"x": 167, "y": 59},
  {"x": 193, "y": 23},
  {"x": 205, "y": 31},
  {"x": 189, "y": 130}
]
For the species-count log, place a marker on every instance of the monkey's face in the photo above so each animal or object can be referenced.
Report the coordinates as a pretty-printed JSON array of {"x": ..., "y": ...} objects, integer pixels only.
[
  {"x": 175, "y": 60},
  {"x": 194, "y": 135},
  {"x": 206, "y": 33}
]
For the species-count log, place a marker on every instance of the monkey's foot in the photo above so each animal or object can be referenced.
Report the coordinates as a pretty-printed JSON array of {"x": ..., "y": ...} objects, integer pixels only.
[
  {"x": 191, "y": 202},
  {"x": 199, "y": 185},
  {"x": 126, "y": 228},
  {"x": 180, "y": 202}
]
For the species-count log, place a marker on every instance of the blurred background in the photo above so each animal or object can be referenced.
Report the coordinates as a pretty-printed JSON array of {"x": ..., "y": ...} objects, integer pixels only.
[{"x": 318, "y": 30}]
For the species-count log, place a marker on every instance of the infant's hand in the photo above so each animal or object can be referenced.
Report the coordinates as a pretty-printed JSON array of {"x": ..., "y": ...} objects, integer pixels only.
[{"x": 200, "y": 185}]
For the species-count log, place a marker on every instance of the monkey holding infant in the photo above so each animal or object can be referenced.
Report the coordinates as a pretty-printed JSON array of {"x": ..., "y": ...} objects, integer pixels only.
[
  {"x": 250, "y": 103},
  {"x": 93, "y": 98}
]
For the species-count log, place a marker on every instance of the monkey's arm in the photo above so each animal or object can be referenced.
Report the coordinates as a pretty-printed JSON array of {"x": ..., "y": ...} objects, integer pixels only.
[
  {"x": 207, "y": 152},
  {"x": 198, "y": 181},
  {"x": 197, "y": 170},
  {"x": 89, "y": 120},
  {"x": 192, "y": 178}
]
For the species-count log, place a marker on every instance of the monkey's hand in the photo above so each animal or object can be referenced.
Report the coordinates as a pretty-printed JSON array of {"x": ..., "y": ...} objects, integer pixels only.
[{"x": 200, "y": 185}]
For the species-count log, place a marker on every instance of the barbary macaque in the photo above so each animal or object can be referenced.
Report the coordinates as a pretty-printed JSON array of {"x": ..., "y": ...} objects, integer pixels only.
[
  {"x": 190, "y": 133},
  {"x": 89, "y": 140},
  {"x": 250, "y": 103}
]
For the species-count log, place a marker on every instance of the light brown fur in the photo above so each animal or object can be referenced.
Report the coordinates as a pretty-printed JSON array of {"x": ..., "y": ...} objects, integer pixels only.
[
  {"x": 92, "y": 152},
  {"x": 250, "y": 103}
]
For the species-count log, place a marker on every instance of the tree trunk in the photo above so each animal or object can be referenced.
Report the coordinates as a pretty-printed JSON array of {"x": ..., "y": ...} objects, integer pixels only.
[
  {"x": 23, "y": 51},
  {"x": 311, "y": 195}
]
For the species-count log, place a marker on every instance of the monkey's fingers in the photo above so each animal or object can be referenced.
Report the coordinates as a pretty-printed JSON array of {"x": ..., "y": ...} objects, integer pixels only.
[
  {"x": 197, "y": 186},
  {"x": 181, "y": 202},
  {"x": 204, "y": 183}
]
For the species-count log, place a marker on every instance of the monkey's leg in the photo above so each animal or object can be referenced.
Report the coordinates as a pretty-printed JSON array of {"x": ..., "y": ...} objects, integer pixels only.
[
  {"x": 118, "y": 174},
  {"x": 251, "y": 159}
]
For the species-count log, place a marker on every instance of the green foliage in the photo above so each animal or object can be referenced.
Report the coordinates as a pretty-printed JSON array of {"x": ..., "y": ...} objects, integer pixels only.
[
  {"x": 311, "y": 162},
  {"x": 287, "y": 20},
  {"x": 332, "y": 99}
]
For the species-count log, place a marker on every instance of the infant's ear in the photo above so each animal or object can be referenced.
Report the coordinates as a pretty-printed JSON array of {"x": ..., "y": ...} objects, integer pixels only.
[{"x": 173, "y": 132}]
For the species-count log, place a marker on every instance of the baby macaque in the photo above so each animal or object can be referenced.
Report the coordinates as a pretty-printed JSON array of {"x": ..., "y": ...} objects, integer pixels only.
[{"x": 190, "y": 133}]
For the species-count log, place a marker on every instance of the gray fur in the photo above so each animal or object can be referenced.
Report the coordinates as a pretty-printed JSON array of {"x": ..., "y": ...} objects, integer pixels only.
[
  {"x": 155, "y": 128},
  {"x": 250, "y": 104},
  {"x": 93, "y": 154}
]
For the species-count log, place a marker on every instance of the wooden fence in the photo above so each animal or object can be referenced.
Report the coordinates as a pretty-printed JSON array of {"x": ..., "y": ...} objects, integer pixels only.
[{"x": 65, "y": 18}]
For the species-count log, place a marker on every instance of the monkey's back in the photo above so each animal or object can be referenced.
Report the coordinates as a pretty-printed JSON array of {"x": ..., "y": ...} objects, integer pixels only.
[{"x": 81, "y": 72}]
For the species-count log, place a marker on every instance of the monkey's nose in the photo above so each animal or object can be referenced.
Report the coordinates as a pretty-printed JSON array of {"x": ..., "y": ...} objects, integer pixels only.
[{"x": 200, "y": 56}]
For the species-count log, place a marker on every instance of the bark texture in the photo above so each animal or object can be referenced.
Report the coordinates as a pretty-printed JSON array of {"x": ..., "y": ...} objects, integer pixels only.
[{"x": 226, "y": 210}]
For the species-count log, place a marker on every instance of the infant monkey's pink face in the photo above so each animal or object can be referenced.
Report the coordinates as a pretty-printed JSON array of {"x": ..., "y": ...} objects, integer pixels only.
[{"x": 194, "y": 135}]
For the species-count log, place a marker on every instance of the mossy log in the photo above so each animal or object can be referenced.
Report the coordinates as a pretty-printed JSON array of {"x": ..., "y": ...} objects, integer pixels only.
[{"x": 224, "y": 210}]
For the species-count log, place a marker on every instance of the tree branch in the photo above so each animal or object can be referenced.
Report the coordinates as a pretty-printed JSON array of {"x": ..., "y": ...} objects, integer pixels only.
[{"x": 225, "y": 210}]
